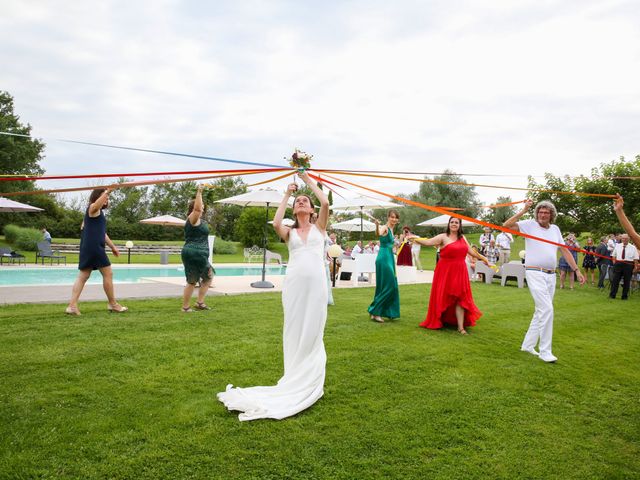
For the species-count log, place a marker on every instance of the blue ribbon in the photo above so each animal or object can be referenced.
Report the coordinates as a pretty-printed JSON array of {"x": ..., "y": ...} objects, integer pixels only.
[{"x": 161, "y": 152}]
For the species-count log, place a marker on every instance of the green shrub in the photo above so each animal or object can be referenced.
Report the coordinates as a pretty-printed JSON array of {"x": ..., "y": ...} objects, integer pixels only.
[
  {"x": 223, "y": 247},
  {"x": 28, "y": 239},
  {"x": 250, "y": 227},
  {"x": 11, "y": 233},
  {"x": 22, "y": 238}
]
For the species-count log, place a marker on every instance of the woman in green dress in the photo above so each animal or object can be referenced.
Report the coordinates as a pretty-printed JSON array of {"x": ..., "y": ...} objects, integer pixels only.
[
  {"x": 195, "y": 255},
  {"x": 386, "y": 302}
]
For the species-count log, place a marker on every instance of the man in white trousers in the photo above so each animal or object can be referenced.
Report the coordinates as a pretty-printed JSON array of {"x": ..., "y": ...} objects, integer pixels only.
[{"x": 540, "y": 263}]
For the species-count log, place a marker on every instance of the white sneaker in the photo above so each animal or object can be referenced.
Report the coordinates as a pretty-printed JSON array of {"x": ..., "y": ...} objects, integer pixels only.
[
  {"x": 532, "y": 351},
  {"x": 547, "y": 357}
]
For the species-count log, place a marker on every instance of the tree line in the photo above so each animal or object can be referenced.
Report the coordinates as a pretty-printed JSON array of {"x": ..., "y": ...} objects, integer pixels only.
[{"x": 22, "y": 155}]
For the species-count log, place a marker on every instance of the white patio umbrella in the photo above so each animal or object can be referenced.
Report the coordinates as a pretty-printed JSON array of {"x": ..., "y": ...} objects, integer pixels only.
[
  {"x": 362, "y": 203},
  {"x": 7, "y": 205},
  {"x": 259, "y": 198},
  {"x": 354, "y": 225},
  {"x": 164, "y": 220},
  {"x": 443, "y": 221}
]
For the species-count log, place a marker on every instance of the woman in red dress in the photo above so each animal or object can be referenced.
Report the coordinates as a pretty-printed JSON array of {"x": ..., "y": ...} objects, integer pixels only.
[
  {"x": 451, "y": 301},
  {"x": 404, "y": 251}
]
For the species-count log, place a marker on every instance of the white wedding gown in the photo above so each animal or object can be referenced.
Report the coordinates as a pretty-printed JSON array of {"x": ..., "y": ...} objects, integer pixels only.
[{"x": 304, "y": 300}]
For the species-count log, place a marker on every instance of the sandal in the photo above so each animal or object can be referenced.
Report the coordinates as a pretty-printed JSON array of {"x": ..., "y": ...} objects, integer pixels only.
[
  {"x": 187, "y": 310},
  {"x": 201, "y": 306},
  {"x": 117, "y": 308},
  {"x": 72, "y": 311},
  {"x": 376, "y": 318},
  {"x": 462, "y": 331}
]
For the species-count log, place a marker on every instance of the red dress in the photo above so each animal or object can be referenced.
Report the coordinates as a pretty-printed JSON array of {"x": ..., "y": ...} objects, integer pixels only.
[
  {"x": 404, "y": 255},
  {"x": 450, "y": 287}
]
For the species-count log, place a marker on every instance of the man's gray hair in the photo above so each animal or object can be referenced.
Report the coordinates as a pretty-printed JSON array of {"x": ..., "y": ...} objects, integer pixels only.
[{"x": 548, "y": 205}]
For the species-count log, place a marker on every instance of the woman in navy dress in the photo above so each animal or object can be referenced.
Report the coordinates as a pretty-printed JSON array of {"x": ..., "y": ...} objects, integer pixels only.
[
  {"x": 92, "y": 255},
  {"x": 589, "y": 261}
]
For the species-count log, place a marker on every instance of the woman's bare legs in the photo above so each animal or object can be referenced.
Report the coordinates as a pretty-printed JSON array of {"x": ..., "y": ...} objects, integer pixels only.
[
  {"x": 204, "y": 288},
  {"x": 186, "y": 295},
  {"x": 78, "y": 285},
  {"x": 460, "y": 319},
  {"x": 107, "y": 284}
]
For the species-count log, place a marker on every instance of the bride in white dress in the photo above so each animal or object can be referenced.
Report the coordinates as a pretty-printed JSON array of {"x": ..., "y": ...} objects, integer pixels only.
[{"x": 304, "y": 300}]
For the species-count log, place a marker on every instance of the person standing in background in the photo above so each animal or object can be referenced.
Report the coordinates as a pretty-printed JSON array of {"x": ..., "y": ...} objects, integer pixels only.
[
  {"x": 46, "y": 235},
  {"x": 625, "y": 259},
  {"x": 503, "y": 242},
  {"x": 485, "y": 238},
  {"x": 603, "y": 261},
  {"x": 589, "y": 262}
]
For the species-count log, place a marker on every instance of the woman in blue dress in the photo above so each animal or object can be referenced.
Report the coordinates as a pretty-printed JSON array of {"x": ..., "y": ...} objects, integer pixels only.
[
  {"x": 92, "y": 255},
  {"x": 565, "y": 268}
]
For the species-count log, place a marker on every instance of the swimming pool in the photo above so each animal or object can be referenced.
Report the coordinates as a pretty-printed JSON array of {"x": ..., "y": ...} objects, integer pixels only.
[{"x": 15, "y": 276}]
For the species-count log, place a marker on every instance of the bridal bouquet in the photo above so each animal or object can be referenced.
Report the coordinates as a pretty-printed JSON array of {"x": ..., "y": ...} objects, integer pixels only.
[{"x": 300, "y": 160}]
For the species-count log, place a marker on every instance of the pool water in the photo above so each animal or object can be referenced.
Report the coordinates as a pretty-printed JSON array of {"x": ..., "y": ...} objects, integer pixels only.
[{"x": 15, "y": 276}]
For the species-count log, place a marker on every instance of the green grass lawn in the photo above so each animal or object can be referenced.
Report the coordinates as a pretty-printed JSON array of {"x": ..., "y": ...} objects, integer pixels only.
[{"x": 133, "y": 396}]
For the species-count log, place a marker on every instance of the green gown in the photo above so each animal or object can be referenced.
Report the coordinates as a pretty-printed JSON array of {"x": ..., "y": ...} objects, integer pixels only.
[
  {"x": 195, "y": 253},
  {"x": 386, "y": 302}
]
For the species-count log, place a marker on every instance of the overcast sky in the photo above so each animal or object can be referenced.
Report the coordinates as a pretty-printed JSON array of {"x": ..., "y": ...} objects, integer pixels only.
[{"x": 508, "y": 87}]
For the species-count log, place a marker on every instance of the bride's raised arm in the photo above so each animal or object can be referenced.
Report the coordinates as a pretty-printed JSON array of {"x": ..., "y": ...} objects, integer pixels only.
[
  {"x": 323, "y": 215},
  {"x": 281, "y": 230}
]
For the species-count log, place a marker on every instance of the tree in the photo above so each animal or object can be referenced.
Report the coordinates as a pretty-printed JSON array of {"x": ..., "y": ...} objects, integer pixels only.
[
  {"x": 222, "y": 218},
  {"x": 447, "y": 195},
  {"x": 250, "y": 226},
  {"x": 21, "y": 156},
  {"x": 171, "y": 198},
  {"x": 593, "y": 214},
  {"x": 499, "y": 215},
  {"x": 129, "y": 204},
  {"x": 437, "y": 194},
  {"x": 18, "y": 155}
]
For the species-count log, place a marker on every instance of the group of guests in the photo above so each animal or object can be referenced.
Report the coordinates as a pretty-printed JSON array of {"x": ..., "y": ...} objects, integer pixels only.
[
  {"x": 497, "y": 248},
  {"x": 305, "y": 289},
  {"x": 358, "y": 248},
  {"x": 614, "y": 258},
  {"x": 451, "y": 300},
  {"x": 94, "y": 238}
]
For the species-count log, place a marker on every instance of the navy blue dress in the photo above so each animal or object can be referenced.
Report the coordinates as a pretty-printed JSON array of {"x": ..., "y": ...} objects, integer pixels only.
[{"x": 92, "y": 254}]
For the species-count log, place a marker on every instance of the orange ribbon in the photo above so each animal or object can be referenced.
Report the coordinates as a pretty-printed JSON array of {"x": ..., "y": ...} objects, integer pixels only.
[
  {"x": 442, "y": 182},
  {"x": 473, "y": 220}
]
